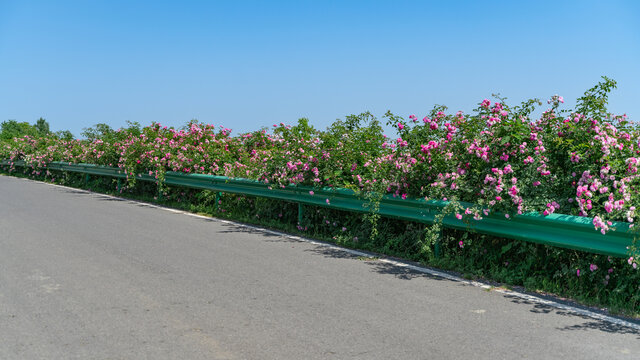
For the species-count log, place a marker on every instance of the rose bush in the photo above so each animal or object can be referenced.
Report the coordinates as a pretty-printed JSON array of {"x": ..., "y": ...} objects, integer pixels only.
[{"x": 582, "y": 162}]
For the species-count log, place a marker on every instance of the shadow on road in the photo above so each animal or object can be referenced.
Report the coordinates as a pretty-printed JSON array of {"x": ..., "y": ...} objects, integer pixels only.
[
  {"x": 372, "y": 260},
  {"x": 73, "y": 191},
  {"x": 104, "y": 198},
  {"x": 603, "y": 326},
  {"x": 589, "y": 322},
  {"x": 402, "y": 273},
  {"x": 329, "y": 251},
  {"x": 95, "y": 195},
  {"x": 249, "y": 229}
]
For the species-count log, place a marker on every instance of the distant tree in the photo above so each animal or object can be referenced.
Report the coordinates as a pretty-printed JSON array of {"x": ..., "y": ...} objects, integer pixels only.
[
  {"x": 11, "y": 128},
  {"x": 64, "y": 135},
  {"x": 42, "y": 126},
  {"x": 134, "y": 128},
  {"x": 98, "y": 131}
]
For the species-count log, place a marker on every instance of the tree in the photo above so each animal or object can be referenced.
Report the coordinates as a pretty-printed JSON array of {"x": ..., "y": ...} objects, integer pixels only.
[
  {"x": 64, "y": 135},
  {"x": 11, "y": 129},
  {"x": 42, "y": 126},
  {"x": 98, "y": 131}
]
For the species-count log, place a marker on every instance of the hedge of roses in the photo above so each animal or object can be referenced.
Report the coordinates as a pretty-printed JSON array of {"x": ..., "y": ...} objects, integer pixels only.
[{"x": 581, "y": 162}]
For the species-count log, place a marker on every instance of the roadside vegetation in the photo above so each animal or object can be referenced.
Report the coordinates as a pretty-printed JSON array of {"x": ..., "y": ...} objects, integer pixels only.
[{"x": 582, "y": 161}]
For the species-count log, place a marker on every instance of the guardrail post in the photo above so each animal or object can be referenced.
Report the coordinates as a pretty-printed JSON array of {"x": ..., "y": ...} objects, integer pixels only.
[
  {"x": 159, "y": 192},
  {"x": 218, "y": 196},
  {"x": 300, "y": 213},
  {"x": 86, "y": 180},
  {"x": 437, "y": 247}
]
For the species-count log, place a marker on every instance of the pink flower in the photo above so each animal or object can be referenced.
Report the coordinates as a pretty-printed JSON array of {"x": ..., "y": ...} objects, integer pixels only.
[
  {"x": 578, "y": 273},
  {"x": 459, "y": 216},
  {"x": 461, "y": 244},
  {"x": 593, "y": 267},
  {"x": 588, "y": 205},
  {"x": 400, "y": 126},
  {"x": 311, "y": 192},
  {"x": 327, "y": 202},
  {"x": 608, "y": 206}
]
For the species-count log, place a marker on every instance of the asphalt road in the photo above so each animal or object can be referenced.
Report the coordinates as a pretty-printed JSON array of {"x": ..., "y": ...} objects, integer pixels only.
[{"x": 84, "y": 276}]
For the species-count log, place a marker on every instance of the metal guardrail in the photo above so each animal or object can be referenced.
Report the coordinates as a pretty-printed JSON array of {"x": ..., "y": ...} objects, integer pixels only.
[{"x": 566, "y": 231}]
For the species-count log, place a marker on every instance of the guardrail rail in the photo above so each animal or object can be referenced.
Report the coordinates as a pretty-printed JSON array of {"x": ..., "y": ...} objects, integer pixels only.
[{"x": 565, "y": 231}]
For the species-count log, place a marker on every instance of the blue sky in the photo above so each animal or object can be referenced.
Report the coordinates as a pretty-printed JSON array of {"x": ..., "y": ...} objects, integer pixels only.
[{"x": 248, "y": 64}]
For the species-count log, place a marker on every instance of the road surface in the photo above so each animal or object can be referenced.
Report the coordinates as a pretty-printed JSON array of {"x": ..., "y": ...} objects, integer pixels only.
[{"x": 85, "y": 276}]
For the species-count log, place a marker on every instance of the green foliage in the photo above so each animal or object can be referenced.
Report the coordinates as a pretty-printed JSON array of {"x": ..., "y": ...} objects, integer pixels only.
[
  {"x": 65, "y": 135},
  {"x": 357, "y": 139},
  {"x": 11, "y": 129},
  {"x": 302, "y": 130},
  {"x": 42, "y": 127},
  {"x": 593, "y": 104},
  {"x": 99, "y": 131}
]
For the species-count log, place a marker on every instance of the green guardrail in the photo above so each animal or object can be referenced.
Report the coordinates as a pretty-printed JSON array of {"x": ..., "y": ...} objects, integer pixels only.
[{"x": 566, "y": 231}]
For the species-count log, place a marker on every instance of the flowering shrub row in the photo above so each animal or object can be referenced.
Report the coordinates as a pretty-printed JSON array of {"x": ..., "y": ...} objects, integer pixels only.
[{"x": 581, "y": 162}]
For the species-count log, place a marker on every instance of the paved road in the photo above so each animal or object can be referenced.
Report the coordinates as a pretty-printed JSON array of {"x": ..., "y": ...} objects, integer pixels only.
[{"x": 83, "y": 276}]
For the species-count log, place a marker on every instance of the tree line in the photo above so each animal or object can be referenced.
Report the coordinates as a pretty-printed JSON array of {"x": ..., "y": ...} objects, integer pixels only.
[{"x": 11, "y": 129}]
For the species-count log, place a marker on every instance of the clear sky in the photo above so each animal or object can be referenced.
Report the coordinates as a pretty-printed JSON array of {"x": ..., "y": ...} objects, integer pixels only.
[{"x": 248, "y": 64}]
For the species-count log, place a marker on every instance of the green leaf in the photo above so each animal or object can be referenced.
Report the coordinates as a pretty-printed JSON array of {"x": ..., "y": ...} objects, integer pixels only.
[{"x": 506, "y": 248}]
